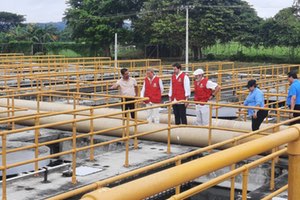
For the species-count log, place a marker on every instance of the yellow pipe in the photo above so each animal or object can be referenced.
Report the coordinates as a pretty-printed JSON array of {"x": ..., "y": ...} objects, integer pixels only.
[
  {"x": 277, "y": 192},
  {"x": 223, "y": 177},
  {"x": 161, "y": 181},
  {"x": 85, "y": 110}
]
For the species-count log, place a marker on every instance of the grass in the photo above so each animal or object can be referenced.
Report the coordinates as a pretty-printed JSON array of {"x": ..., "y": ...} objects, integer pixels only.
[
  {"x": 235, "y": 51},
  {"x": 67, "y": 53}
]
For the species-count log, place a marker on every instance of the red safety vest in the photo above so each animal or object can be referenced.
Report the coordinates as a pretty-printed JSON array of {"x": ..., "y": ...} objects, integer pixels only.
[
  {"x": 178, "y": 91},
  {"x": 201, "y": 93},
  {"x": 152, "y": 90}
]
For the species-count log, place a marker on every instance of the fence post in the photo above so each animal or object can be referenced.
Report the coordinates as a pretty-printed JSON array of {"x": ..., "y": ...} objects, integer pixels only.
[{"x": 294, "y": 168}]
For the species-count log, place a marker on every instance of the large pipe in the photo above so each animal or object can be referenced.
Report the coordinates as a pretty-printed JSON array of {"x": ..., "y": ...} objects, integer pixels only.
[
  {"x": 56, "y": 107},
  {"x": 172, "y": 177},
  {"x": 185, "y": 136}
]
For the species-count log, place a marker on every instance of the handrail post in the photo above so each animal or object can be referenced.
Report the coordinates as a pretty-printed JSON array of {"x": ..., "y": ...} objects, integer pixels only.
[
  {"x": 4, "y": 171},
  {"x": 123, "y": 116},
  {"x": 13, "y": 110},
  {"x": 169, "y": 130},
  {"x": 210, "y": 125},
  {"x": 294, "y": 168},
  {"x": 245, "y": 184},
  {"x": 135, "y": 125},
  {"x": 92, "y": 135},
  {"x": 232, "y": 180},
  {"x": 177, "y": 188},
  {"x": 126, "y": 164},
  {"x": 74, "y": 136}
]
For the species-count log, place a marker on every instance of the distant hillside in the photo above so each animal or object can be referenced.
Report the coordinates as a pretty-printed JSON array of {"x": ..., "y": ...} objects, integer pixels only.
[{"x": 59, "y": 25}]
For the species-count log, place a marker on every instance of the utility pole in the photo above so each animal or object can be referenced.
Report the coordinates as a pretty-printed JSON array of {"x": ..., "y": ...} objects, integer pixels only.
[
  {"x": 116, "y": 50},
  {"x": 187, "y": 40}
]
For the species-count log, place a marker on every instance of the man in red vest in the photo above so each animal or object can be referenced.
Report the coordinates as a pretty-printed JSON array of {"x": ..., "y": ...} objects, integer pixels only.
[
  {"x": 152, "y": 88},
  {"x": 205, "y": 90},
  {"x": 179, "y": 90}
]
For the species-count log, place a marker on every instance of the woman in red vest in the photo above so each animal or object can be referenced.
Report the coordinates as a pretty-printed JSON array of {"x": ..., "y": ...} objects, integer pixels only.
[
  {"x": 205, "y": 90},
  {"x": 152, "y": 88},
  {"x": 179, "y": 90}
]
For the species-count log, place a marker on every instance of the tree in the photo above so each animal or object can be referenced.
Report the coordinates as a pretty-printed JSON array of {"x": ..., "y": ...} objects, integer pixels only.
[
  {"x": 248, "y": 25},
  {"x": 96, "y": 21},
  {"x": 282, "y": 30},
  {"x": 163, "y": 22},
  {"x": 10, "y": 20}
]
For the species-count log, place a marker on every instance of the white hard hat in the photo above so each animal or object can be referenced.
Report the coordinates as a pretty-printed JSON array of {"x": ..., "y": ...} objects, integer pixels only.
[{"x": 198, "y": 72}]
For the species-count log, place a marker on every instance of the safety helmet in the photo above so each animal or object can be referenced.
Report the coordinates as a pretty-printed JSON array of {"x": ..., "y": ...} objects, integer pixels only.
[{"x": 198, "y": 72}]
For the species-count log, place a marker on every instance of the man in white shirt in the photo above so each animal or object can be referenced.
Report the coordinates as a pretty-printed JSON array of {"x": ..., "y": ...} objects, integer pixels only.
[
  {"x": 128, "y": 87},
  {"x": 179, "y": 90},
  {"x": 153, "y": 89}
]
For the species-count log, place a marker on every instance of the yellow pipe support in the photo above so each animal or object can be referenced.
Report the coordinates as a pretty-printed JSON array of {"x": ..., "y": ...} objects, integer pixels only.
[
  {"x": 294, "y": 168},
  {"x": 161, "y": 181}
]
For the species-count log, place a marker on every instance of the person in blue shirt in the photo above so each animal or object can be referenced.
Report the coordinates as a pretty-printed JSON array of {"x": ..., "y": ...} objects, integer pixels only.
[
  {"x": 255, "y": 98},
  {"x": 293, "y": 98}
]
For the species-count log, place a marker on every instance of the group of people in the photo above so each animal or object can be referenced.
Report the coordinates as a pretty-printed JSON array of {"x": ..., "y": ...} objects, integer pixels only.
[
  {"x": 180, "y": 89},
  {"x": 204, "y": 90}
]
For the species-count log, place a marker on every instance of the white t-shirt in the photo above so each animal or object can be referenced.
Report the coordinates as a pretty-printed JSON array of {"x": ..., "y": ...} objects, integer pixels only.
[
  {"x": 211, "y": 85},
  {"x": 127, "y": 87}
]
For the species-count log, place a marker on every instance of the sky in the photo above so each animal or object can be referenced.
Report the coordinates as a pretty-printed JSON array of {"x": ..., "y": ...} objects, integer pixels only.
[{"x": 53, "y": 10}]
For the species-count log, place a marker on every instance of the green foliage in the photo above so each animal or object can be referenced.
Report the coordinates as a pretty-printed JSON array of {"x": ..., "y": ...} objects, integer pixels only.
[
  {"x": 163, "y": 22},
  {"x": 96, "y": 22},
  {"x": 17, "y": 47},
  {"x": 31, "y": 32},
  {"x": 79, "y": 49},
  {"x": 66, "y": 52},
  {"x": 282, "y": 30},
  {"x": 236, "y": 52},
  {"x": 10, "y": 20}
]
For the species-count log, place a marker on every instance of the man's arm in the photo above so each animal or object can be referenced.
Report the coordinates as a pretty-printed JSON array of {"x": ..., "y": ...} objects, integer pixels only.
[
  {"x": 170, "y": 90},
  {"x": 114, "y": 86},
  {"x": 187, "y": 87},
  {"x": 136, "y": 89},
  {"x": 216, "y": 91},
  {"x": 293, "y": 102},
  {"x": 161, "y": 86},
  {"x": 143, "y": 90}
]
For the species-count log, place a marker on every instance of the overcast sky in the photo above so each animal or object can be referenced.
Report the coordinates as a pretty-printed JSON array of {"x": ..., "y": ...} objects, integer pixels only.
[{"x": 53, "y": 10}]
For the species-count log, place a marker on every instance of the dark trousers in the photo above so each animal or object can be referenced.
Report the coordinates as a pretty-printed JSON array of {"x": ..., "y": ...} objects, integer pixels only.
[
  {"x": 261, "y": 115},
  {"x": 129, "y": 106},
  {"x": 297, "y": 107},
  {"x": 180, "y": 114}
]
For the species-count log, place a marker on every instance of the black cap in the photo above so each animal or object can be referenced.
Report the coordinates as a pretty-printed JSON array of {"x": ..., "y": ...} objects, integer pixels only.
[{"x": 251, "y": 83}]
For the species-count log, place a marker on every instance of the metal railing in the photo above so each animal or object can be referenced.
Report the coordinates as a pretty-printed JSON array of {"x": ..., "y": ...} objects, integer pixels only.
[
  {"x": 178, "y": 175},
  {"x": 50, "y": 76},
  {"x": 89, "y": 115}
]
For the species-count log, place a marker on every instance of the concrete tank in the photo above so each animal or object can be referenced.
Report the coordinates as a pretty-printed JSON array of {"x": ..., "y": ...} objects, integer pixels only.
[{"x": 23, "y": 155}]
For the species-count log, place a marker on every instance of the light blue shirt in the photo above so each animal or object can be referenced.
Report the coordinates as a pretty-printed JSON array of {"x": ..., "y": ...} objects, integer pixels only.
[
  {"x": 255, "y": 98},
  {"x": 294, "y": 90}
]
